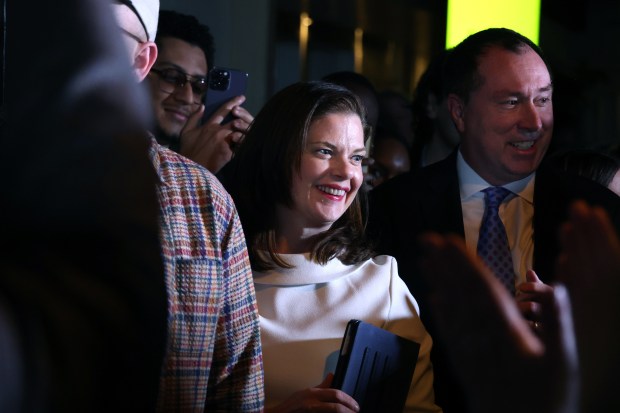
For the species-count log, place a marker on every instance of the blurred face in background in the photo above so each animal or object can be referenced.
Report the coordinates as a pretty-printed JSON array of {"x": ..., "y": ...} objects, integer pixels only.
[{"x": 391, "y": 158}]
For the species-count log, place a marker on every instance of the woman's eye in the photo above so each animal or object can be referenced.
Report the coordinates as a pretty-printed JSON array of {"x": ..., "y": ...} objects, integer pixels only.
[
  {"x": 324, "y": 151},
  {"x": 358, "y": 158}
]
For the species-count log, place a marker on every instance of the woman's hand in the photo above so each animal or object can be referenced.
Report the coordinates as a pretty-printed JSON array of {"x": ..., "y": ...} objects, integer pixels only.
[{"x": 318, "y": 399}]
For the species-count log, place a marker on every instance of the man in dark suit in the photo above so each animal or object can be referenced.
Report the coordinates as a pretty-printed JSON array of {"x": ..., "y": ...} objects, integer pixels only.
[{"x": 499, "y": 90}]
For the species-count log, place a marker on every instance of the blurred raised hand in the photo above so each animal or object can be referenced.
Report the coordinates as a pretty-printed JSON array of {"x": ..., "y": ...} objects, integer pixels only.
[
  {"x": 492, "y": 346},
  {"x": 589, "y": 265}
]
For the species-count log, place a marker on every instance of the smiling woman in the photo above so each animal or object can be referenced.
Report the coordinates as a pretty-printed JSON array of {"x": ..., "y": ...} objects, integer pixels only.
[
  {"x": 296, "y": 180},
  {"x": 329, "y": 178},
  {"x": 307, "y": 141}
]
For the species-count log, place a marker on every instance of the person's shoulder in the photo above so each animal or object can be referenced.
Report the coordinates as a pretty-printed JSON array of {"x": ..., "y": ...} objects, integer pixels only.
[
  {"x": 395, "y": 185},
  {"x": 563, "y": 187},
  {"x": 446, "y": 164},
  {"x": 375, "y": 271},
  {"x": 382, "y": 259},
  {"x": 386, "y": 267},
  {"x": 386, "y": 263},
  {"x": 177, "y": 170},
  {"x": 416, "y": 179}
]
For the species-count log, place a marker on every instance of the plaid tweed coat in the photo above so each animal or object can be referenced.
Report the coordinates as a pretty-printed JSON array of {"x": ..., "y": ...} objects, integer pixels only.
[{"x": 214, "y": 359}]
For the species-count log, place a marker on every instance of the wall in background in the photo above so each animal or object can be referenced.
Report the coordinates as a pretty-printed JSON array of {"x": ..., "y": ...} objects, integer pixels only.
[
  {"x": 389, "y": 41},
  {"x": 580, "y": 38},
  {"x": 262, "y": 37}
]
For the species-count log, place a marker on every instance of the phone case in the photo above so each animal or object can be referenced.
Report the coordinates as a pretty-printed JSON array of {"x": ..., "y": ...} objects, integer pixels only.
[
  {"x": 375, "y": 367},
  {"x": 223, "y": 85}
]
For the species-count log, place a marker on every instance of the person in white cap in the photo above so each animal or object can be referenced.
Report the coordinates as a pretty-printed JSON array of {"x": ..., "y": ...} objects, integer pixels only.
[
  {"x": 213, "y": 358},
  {"x": 137, "y": 21}
]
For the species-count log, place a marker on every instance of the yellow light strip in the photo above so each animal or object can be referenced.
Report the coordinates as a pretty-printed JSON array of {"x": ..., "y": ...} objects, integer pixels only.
[{"x": 466, "y": 17}]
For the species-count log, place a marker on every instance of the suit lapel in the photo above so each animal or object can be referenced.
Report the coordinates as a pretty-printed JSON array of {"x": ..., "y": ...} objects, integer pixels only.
[{"x": 442, "y": 209}]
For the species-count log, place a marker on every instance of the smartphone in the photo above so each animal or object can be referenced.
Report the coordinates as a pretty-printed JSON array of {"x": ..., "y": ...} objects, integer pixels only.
[{"x": 223, "y": 84}]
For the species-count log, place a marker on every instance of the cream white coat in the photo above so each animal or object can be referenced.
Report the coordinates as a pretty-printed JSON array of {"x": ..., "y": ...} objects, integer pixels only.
[{"x": 304, "y": 312}]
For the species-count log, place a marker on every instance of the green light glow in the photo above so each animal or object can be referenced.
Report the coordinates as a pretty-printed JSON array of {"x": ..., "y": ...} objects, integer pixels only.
[{"x": 466, "y": 17}]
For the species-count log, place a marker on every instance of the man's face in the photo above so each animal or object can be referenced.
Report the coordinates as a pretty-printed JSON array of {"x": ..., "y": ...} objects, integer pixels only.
[
  {"x": 507, "y": 124},
  {"x": 174, "y": 104}
]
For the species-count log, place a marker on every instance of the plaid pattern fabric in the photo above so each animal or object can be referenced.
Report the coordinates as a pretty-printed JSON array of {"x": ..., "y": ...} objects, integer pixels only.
[{"x": 214, "y": 359}]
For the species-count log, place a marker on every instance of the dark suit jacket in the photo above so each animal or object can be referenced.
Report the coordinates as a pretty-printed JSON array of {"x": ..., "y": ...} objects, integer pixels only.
[{"x": 429, "y": 200}]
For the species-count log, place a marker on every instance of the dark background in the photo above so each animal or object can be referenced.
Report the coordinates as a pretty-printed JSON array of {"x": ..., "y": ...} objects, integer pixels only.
[
  {"x": 579, "y": 37},
  {"x": 2, "y": 38}
]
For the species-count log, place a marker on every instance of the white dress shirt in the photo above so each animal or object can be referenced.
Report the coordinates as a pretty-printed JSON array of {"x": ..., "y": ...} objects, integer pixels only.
[{"x": 516, "y": 212}]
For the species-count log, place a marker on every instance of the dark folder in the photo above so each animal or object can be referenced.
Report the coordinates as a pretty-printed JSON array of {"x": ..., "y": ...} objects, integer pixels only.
[{"x": 375, "y": 367}]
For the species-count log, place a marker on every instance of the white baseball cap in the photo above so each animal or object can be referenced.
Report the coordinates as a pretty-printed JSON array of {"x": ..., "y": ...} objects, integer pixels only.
[{"x": 147, "y": 12}]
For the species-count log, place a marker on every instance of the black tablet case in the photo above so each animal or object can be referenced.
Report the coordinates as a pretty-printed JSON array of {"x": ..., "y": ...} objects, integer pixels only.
[{"x": 375, "y": 367}]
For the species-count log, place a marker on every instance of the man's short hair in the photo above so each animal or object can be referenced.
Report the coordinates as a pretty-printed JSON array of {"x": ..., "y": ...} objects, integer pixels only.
[
  {"x": 188, "y": 29},
  {"x": 460, "y": 74}
]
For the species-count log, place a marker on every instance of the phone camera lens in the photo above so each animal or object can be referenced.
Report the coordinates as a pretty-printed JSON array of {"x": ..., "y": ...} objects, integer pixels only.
[{"x": 219, "y": 79}]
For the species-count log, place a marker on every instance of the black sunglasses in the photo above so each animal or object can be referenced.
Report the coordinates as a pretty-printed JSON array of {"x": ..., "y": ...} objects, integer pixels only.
[{"x": 178, "y": 79}]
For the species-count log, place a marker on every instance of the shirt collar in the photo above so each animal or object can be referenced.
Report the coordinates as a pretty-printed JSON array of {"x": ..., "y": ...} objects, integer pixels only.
[{"x": 470, "y": 183}]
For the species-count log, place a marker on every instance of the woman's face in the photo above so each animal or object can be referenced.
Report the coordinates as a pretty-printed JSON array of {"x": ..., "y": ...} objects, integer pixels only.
[{"x": 330, "y": 173}]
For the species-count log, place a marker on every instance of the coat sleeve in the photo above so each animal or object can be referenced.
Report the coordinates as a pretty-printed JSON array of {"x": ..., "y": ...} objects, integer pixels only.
[
  {"x": 236, "y": 382},
  {"x": 404, "y": 320}
]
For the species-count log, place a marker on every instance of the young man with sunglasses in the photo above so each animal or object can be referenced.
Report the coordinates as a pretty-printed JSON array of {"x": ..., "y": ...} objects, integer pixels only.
[
  {"x": 178, "y": 85},
  {"x": 213, "y": 357}
]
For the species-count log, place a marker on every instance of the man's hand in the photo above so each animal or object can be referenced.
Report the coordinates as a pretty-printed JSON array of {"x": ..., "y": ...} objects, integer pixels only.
[
  {"x": 212, "y": 143},
  {"x": 530, "y": 295}
]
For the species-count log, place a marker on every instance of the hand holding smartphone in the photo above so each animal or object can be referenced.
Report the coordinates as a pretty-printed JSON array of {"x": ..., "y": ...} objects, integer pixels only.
[{"x": 223, "y": 84}]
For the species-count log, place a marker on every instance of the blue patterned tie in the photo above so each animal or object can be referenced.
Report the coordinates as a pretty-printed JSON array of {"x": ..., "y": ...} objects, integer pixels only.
[{"x": 493, "y": 245}]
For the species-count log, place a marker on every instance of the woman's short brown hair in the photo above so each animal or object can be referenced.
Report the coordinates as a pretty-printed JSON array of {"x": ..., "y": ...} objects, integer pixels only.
[{"x": 265, "y": 163}]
